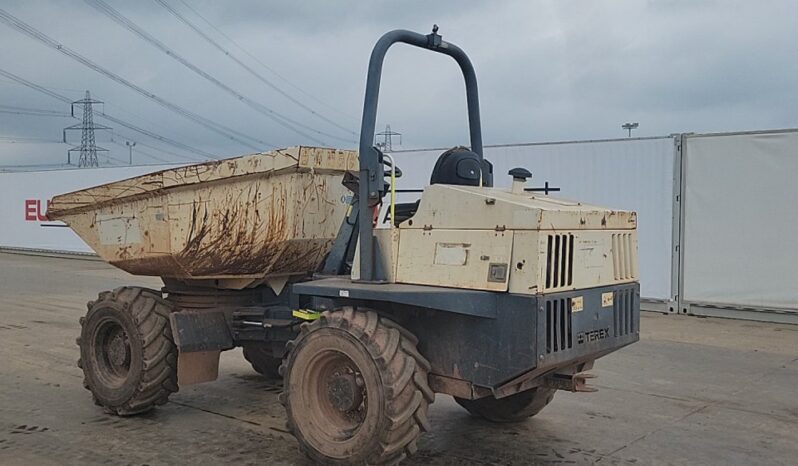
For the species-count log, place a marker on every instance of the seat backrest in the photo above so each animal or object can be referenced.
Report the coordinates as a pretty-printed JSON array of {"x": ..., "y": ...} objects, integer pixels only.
[{"x": 460, "y": 166}]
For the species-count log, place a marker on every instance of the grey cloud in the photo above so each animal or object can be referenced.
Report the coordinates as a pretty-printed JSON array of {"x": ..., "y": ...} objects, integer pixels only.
[{"x": 548, "y": 70}]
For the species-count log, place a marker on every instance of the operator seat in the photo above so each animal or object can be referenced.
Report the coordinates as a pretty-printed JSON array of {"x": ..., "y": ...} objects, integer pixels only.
[
  {"x": 460, "y": 166},
  {"x": 457, "y": 166}
]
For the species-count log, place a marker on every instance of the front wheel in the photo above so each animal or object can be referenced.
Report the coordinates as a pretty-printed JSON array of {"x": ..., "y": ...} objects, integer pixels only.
[
  {"x": 514, "y": 408},
  {"x": 127, "y": 354},
  {"x": 356, "y": 389}
]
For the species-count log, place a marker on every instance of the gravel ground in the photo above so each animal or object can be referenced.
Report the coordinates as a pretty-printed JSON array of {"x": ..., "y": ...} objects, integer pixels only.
[{"x": 692, "y": 391}]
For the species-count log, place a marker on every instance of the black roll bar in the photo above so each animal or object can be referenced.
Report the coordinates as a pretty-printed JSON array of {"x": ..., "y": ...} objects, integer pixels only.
[{"x": 372, "y": 187}]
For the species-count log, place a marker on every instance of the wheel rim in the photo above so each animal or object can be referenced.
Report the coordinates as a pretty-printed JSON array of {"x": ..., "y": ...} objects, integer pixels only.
[
  {"x": 336, "y": 393},
  {"x": 112, "y": 353}
]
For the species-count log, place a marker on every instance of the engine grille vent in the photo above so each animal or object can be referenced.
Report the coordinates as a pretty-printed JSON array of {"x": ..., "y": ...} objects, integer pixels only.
[
  {"x": 622, "y": 307},
  {"x": 559, "y": 261},
  {"x": 559, "y": 334},
  {"x": 622, "y": 256}
]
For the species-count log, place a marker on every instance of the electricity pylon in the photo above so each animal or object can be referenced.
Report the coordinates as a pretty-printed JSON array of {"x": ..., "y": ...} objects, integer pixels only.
[{"x": 88, "y": 149}]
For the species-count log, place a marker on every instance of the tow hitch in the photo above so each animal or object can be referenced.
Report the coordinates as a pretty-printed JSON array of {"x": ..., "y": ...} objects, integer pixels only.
[{"x": 570, "y": 382}]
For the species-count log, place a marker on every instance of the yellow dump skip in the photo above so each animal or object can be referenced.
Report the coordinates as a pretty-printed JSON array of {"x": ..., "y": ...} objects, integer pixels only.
[{"x": 239, "y": 221}]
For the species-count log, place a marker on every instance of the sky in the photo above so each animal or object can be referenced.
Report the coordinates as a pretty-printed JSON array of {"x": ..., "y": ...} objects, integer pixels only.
[{"x": 547, "y": 71}]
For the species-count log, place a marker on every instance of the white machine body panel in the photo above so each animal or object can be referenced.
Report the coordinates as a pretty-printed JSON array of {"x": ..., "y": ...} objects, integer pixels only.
[{"x": 497, "y": 240}]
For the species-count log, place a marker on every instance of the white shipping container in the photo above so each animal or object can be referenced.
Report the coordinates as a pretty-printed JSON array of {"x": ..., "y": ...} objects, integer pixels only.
[
  {"x": 738, "y": 258},
  {"x": 632, "y": 174}
]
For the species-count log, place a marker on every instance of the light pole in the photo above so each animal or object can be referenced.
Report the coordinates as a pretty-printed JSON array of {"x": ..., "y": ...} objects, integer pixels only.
[
  {"x": 629, "y": 127},
  {"x": 130, "y": 146}
]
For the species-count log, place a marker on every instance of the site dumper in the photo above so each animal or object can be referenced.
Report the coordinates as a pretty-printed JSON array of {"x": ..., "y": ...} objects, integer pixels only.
[{"x": 495, "y": 296}]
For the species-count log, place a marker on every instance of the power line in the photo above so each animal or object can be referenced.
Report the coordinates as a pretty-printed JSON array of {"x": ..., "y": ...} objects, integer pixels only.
[
  {"x": 26, "y": 140},
  {"x": 139, "y": 151},
  {"x": 145, "y": 132},
  {"x": 24, "y": 82},
  {"x": 254, "y": 73},
  {"x": 22, "y": 167},
  {"x": 108, "y": 117},
  {"x": 51, "y": 87},
  {"x": 34, "y": 113},
  {"x": 158, "y": 137},
  {"x": 147, "y": 154},
  {"x": 159, "y": 149},
  {"x": 122, "y": 163},
  {"x": 111, "y": 118},
  {"x": 33, "y": 33},
  {"x": 52, "y": 113},
  {"x": 267, "y": 67},
  {"x": 280, "y": 119}
]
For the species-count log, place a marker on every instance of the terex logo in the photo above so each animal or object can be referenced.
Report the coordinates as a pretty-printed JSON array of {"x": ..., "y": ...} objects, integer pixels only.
[
  {"x": 592, "y": 335},
  {"x": 33, "y": 210}
]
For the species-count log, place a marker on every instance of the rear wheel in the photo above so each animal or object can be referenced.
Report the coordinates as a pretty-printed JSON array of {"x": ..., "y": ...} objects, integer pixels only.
[
  {"x": 513, "y": 408},
  {"x": 356, "y": 389},
  {"x": 262, "y": 359},
  {"x": 127, "y": 354}
]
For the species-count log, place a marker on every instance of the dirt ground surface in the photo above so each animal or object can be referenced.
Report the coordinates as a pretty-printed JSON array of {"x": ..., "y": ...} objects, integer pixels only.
[{"x": 692, "y": 391}]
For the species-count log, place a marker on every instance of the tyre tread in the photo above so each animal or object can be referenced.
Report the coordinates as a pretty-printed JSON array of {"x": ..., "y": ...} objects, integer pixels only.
[
  {"x": 514, "y": 408},
  {"x": 150, "y": 312},
  {"x": 402, "y": 368}
]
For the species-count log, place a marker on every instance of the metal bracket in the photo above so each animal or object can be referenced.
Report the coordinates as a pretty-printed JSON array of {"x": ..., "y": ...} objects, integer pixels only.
[{"x": 570, "y": 382}]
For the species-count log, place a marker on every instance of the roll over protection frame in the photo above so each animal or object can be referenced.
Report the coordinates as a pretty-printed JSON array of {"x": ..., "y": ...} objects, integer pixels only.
[{"x": 372, "y": 184}]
